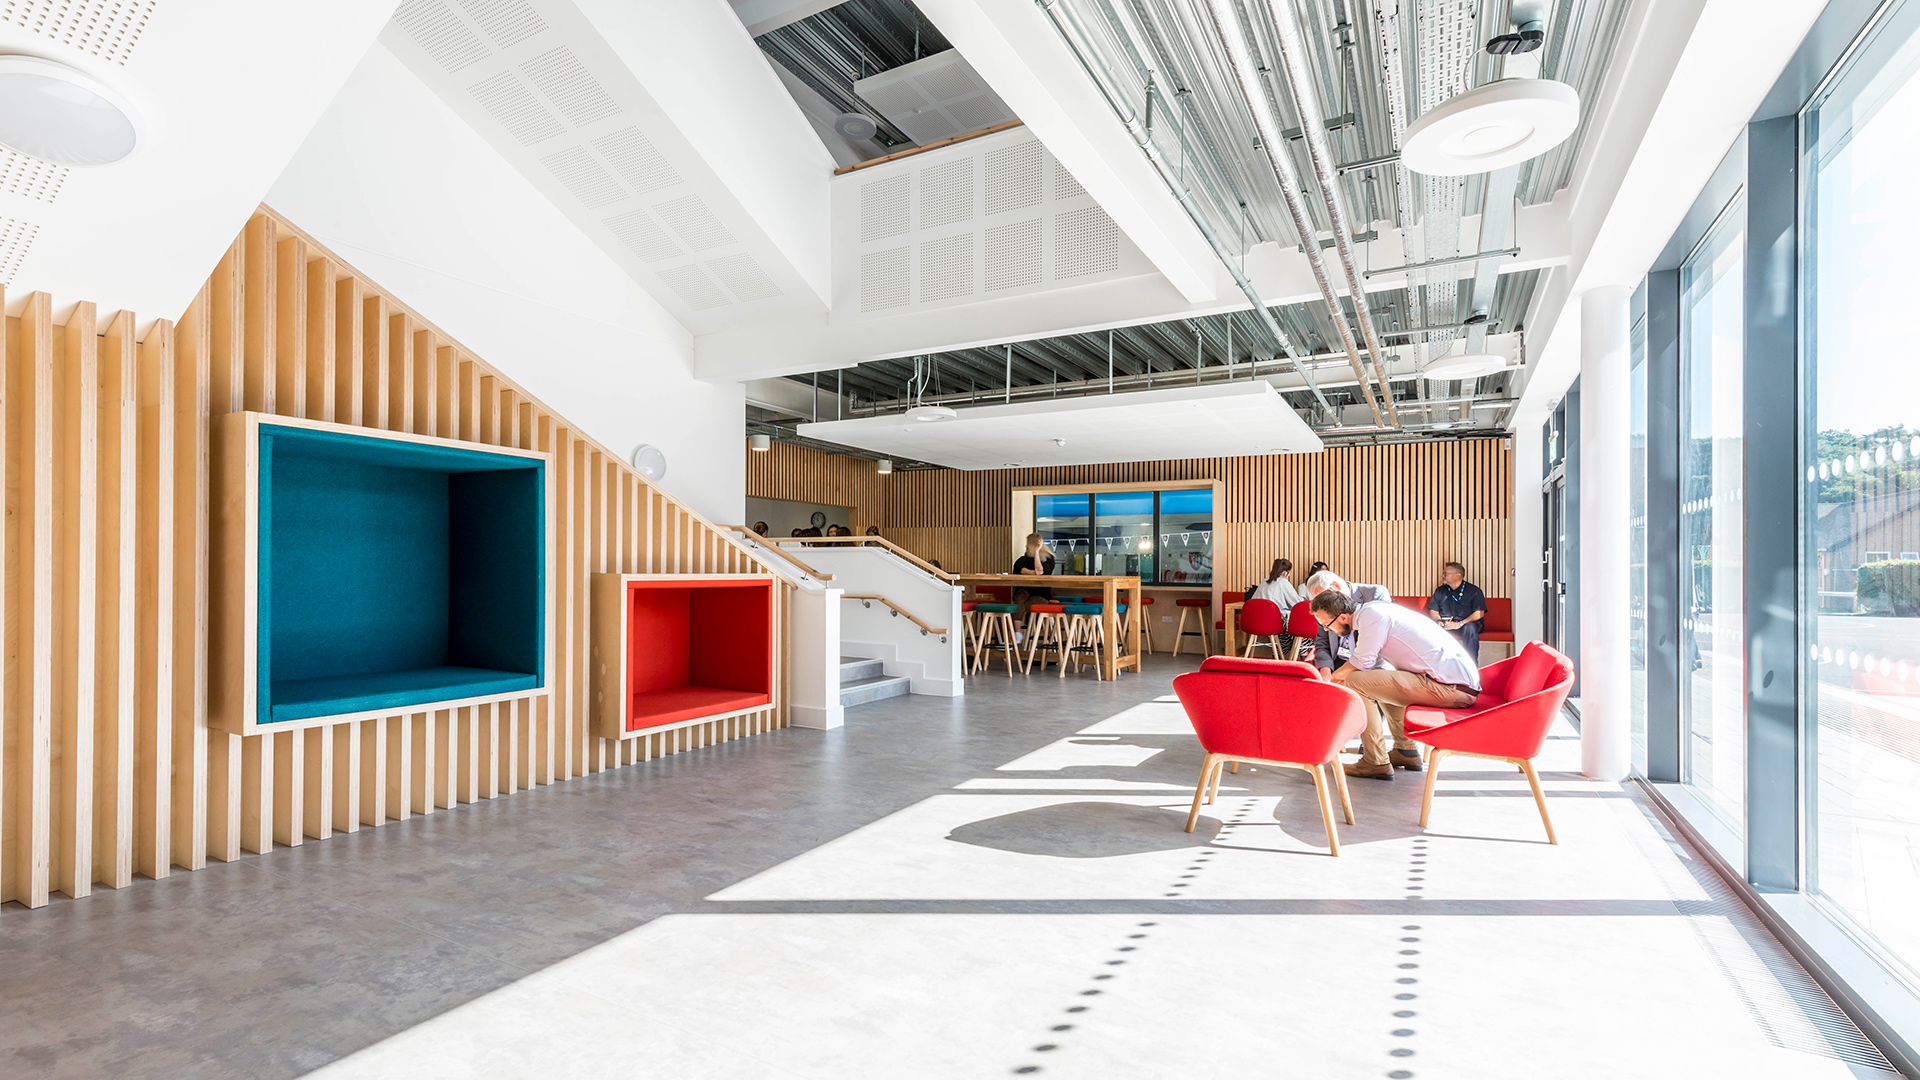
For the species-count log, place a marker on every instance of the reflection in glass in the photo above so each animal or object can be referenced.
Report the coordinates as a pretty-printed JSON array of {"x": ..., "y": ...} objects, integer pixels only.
[
  {"x": 1186, "y": 537},
  {"x": 1123, "y": 533},
  {"x": 1062, "y": 521},
  {"x": 1712, "y": 482},
  {"x": 1860, "y": 574}
]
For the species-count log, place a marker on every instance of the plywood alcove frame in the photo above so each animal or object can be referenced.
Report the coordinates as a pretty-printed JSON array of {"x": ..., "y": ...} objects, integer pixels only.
[{"x": 614, "y": 642}]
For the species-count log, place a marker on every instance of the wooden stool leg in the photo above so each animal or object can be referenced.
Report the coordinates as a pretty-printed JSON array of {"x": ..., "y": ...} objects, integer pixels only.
[
  {"x": 1180, "y": 630},
  {"x": 1012, "y": 642}
]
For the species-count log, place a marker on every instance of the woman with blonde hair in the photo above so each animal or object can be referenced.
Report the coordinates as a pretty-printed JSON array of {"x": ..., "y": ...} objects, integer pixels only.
[{"x": 1037, "y": 562}]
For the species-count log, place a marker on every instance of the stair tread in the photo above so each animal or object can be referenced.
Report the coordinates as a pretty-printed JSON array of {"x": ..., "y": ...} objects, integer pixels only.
[{"x": 877, "y": 680}]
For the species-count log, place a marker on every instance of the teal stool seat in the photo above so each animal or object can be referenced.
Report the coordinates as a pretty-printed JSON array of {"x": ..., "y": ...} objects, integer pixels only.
[
  {"x": 997, "y": 609},
  {"x": 1083, "y": 609}
]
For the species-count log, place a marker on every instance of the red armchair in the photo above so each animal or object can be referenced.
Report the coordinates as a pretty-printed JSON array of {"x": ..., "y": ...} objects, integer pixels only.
[
  {"x": 1270, "y": 712},
  {"x": 1519, "y": 699}
]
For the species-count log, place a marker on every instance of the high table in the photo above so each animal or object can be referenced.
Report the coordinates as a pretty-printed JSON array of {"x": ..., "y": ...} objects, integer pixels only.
[{"x": 1111, "y": 589}]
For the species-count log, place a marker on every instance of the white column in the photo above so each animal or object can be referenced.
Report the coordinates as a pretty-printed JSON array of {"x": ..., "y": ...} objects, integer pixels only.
[{"x": 1605, "y": 419}]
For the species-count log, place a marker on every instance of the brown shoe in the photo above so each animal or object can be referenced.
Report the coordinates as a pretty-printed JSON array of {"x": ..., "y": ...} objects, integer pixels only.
[
  {"x": 1382, "y": 771},
  {"x": 1405, "y": 759}
]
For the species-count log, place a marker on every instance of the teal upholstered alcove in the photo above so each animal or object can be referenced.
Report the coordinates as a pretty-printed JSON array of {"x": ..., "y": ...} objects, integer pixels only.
[{"x": 384, "y": 573}]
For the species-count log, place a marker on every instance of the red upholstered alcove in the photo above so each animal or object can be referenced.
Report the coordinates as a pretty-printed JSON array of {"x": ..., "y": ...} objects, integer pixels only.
[{"x": 697, "y": 648}]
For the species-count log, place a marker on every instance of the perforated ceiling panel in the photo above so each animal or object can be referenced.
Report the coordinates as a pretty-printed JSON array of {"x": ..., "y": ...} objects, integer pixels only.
[
  {"x": 885, "y": 208},
  {"x": 994, "y": 216},
  {"x": 541, "y": 76},
  {"x": 694, "y": 223},
  {"x": 593, "y": 185},
  {"x": 635, "y": 159},
  {"x": 934, "y": 97},
  {"x": 441, "y": 33},
  {"x": 744, "y": 277},
  {"x": 1013, "y": 177},
  {"x": 573, "y": 90},
  {"x": 515, "y": 107},
  {"x": 884, "y": 279},
  {"x": 16, "y": 238},
  {"x": 31, "y": 177},
  {"x": 506, "y": 22},
  {"x": 946, "y": 193},
  {"x": 1013, "y": 255},
  {"x": 107, "y": 29},
  {"x": 643, "y": 236},
  {"x": 695, "y": 288}
]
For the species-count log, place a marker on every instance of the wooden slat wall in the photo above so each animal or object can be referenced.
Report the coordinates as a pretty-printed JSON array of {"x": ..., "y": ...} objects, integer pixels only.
[
  {"x": 108, "y": 768},
  {"x": 1385, "y": 514}
]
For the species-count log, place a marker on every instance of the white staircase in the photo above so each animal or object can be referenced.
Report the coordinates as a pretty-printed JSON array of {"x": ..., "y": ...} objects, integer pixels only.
[{"x": 864, "y": 680}]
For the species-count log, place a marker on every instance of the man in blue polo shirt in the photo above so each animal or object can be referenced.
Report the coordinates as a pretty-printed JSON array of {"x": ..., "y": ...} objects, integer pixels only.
[{"x": 1459, "y": 607}]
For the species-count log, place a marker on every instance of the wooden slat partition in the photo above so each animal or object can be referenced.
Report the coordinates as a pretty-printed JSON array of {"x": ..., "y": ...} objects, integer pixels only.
[
  {"x": 1386, "y": 514},
  {"x": 108, "y": 770}
]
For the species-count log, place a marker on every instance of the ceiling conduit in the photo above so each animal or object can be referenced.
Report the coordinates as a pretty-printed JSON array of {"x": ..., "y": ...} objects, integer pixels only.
[
  {"x": 1226, "y": 20},
  {"x": 1066, "y": 23},
  {"x": 1313, "y": 124}
]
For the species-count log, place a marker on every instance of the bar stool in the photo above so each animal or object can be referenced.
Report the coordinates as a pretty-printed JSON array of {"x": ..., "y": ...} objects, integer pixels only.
[
  {"x": 996, "y": 632},
  {"x": 1193, "y": 607},
  {"x": 1047, "y": 626},
  {"x": 970, "y": 629},
  {"x": 1086, "y": 632},
  {"x": 1146, "y": 626},
  {"x": 1262, "y": 618}
]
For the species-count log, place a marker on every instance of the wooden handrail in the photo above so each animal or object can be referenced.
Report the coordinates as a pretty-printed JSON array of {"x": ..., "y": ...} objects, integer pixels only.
[
  {"x": 784, "y": 541},
  {"x": 898, "y": 154},
  {"x": 896, "y": 607},
  {"x": 784, "y": 553}
]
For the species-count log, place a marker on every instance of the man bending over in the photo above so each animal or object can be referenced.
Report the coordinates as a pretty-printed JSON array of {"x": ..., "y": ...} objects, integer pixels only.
[{"x": 1400, "y": 658}]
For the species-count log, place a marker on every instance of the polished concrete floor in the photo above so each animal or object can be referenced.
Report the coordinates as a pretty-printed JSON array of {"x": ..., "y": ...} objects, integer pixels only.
[{"x": 991, "y": 886}]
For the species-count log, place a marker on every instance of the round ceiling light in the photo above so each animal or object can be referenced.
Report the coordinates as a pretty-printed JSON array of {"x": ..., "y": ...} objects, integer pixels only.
[
  {"x": 1464, "y": 366},
  {"x": 856, "y": 126},
  {"x": 56, "y": 113},
  {"x": 931, "y": 414},
  {"x": 1491, "y": 127}
]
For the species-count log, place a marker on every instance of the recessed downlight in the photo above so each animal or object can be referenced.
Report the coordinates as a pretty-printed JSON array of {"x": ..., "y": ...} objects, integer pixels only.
[{"x": 60, "y": 114}]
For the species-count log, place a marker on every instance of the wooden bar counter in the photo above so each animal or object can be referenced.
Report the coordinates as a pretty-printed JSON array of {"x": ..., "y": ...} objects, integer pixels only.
[{"x": 1111, "y": 590}]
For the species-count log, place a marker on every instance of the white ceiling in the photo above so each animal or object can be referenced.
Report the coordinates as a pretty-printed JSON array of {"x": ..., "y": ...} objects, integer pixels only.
[
  {"x": 1220, "y": 420},
  {"x": 226, "y": 98}
]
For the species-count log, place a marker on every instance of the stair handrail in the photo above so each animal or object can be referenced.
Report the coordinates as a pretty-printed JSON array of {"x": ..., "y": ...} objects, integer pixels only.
[
  {"x": 783, "y": 542},
  {"x": 897, "y": 609},
  {"x": 752, "y": 539}
]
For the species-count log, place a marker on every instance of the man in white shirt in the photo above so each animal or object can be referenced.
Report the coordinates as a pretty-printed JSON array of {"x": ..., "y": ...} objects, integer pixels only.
[
  {"x": 1327, "y": 579},
  {"x": 1400, "y": 658}
]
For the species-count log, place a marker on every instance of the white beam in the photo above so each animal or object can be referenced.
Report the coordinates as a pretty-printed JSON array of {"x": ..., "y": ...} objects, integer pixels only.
[{"x": 760, "y": 16}]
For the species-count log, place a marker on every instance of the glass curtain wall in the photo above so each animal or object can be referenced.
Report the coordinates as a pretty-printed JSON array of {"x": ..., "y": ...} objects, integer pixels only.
[
  {"x": 1860, "y": 507},
  {"x": 1163, "y": 536},
  {"x": 1637, "y": 545},
  {"x": 1712, "y": 477}
]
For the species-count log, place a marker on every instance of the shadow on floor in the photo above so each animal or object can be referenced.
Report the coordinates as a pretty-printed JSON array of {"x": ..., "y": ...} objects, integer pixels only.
[{"x": 1087, "y": 830}]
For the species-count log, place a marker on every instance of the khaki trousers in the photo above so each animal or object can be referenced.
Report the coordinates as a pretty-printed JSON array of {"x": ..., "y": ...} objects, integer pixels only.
[{"x": 1393, "y": 691}]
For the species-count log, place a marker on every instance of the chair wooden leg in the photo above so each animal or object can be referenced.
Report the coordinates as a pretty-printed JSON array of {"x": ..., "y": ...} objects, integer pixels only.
[
  {"x": 1199, "y": 792},
  {"x": 1539, "y": 799},
  {"x": 1433, "y": 774},
  {"x": 1235, "y": 768},
  {"x": 1340, "y": 782},
  {"x": 1219, "y": 770},
  {"x": 1326, "y": 809}
]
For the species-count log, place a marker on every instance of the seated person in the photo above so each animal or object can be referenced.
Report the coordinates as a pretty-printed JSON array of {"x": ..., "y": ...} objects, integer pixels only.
[
  {"x": 760, "y": 528},
  {"x": 1037, "y": 562},
  {"x": 1362, "y": 594},
  {"x": 1278, "y": 587},
  {"x": 1399, "y": 658},
  {"x": 1459, "y": 607}
]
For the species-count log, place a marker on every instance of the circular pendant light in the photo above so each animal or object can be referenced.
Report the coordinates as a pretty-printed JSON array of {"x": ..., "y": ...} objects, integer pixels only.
[
  {"x": 56, "y": 113},
  {"x": 1464, "y": 366},
  {"x": 930, "y": 414},
  {"x": 1491, "y": 127}
]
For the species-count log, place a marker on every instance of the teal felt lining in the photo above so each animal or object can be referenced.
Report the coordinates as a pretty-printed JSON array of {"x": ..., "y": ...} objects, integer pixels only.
[{"x": 395, "y": 574}]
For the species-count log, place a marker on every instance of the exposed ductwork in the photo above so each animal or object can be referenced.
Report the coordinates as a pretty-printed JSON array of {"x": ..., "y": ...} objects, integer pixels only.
[{"x": 1226, "y": 20}]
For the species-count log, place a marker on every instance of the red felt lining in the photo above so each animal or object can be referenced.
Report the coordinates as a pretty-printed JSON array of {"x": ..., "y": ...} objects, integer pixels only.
[{"x": 697, "y": 648}]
